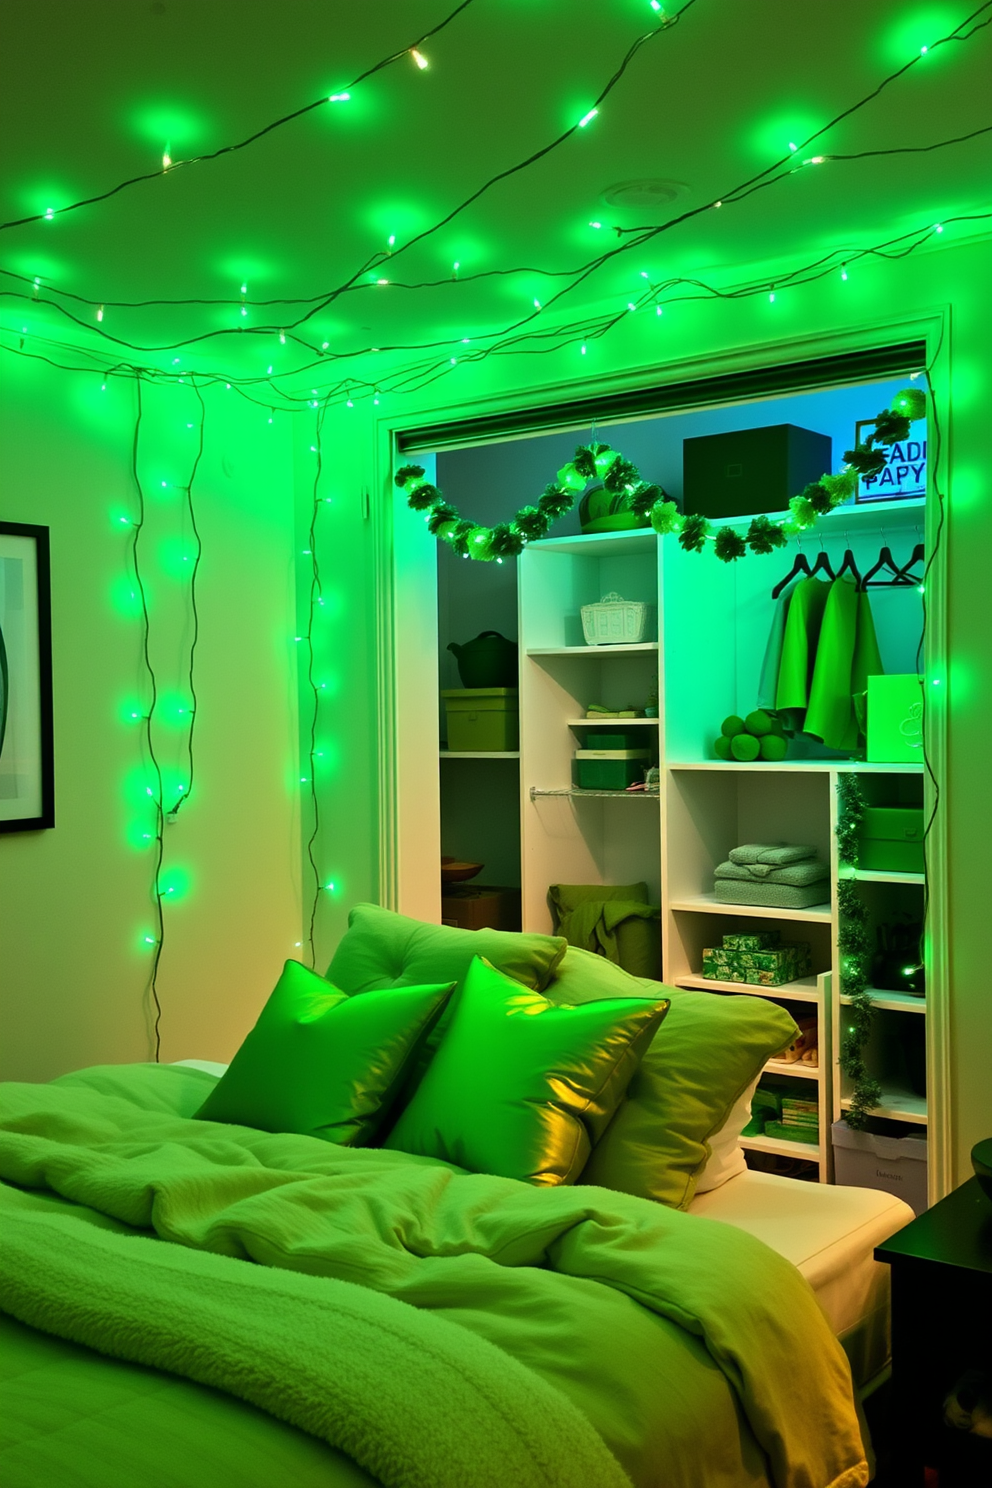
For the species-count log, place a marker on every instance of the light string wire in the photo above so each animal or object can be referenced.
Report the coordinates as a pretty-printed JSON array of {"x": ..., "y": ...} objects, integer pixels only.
[
  {"x": 156, "y": 175},
  {"x": 938, "y": 491},
  {"x": 187, "y": 789},
  {"x": 316, "y": 600},
  {"x": 158, "y": 794},
  {"x": 415, "y": 376},
  {"x": 320, "y": 302},
  {"x": 641, "y": 234},
  {"x": 149, "y": 717},
  {"x": 578, "y": 275}
]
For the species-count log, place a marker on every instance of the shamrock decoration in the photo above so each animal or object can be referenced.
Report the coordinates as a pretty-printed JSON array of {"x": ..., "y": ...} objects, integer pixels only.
[{"x": 621, "y": 477}]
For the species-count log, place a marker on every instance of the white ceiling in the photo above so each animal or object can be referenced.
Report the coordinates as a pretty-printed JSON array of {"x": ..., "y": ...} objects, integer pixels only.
[{"x": 94, "y": 92}]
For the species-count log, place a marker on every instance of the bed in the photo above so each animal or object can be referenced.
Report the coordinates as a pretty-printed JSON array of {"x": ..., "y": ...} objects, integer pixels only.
[{"x": 342, "y": 1316}]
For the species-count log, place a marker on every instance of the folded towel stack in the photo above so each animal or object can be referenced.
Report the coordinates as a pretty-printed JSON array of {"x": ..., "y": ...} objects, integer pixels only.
[{"x": 775, "y": 875}]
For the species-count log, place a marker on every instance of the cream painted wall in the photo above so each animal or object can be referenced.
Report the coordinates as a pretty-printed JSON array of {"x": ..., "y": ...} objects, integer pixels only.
[
  {"x": 801, "y": 322},
  {"x": 75, "y": 902}
]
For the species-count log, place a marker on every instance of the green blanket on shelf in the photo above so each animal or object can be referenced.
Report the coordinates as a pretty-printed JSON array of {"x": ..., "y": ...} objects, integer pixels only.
[{"x": 544, "y": 1323}]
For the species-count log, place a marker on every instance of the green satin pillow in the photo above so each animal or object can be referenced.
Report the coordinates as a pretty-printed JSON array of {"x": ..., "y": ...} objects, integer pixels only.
[
  {"x": 323, "y": 1064},
  {"x": 521, "y": 1087},
  {"x": 710, "y": 1048},
  {"x": 384, "y": 949}
]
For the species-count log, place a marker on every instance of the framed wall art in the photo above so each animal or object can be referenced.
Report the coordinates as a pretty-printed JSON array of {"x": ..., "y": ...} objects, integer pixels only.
[
  {"x": 905, "y": 472},
  {"x": 27, "y": 769}
]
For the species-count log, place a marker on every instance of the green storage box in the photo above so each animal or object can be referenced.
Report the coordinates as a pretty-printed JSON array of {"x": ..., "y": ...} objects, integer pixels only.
[
  {"x": 609, "y": 769},
  {"x": 486, "y": 719},
  {"x": 763, "y": 940},
  {"x": 783, "y": 1132},
  {"x": 891, "y": 839}
]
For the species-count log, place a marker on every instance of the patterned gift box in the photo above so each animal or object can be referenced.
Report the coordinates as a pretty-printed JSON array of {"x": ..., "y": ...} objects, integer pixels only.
[
  {"x": 766, "y": 940},
  {"x": 810, "y": 1134},
  {"x": 768, "y": 968},
  {"x": 799, "y": 1112}
]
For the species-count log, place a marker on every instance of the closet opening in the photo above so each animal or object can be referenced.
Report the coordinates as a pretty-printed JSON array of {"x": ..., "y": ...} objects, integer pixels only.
[{"x": 542, "y": 733}]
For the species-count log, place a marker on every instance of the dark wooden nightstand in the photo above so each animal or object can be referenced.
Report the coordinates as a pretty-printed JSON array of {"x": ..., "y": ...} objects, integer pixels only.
[{"x": 941, "y": 1327}]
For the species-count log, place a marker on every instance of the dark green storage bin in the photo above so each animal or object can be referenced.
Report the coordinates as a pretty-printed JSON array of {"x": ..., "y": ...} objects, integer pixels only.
[
  {"x": 892, "y": 839},
  {"x": 609, "y": 769}
]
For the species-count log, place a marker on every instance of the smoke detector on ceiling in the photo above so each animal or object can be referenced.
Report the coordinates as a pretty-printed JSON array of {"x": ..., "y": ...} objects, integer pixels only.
[{"x": 646, "y": 191}]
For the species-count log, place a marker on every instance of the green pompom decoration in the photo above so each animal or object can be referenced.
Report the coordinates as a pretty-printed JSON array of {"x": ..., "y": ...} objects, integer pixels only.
[
  {"x": 803, "y": 513},
  {"x": 773, "y": 747},
  {"x": 818, "y": 497},
  {"x": 911, "y": 402},
  {"x": 693, "y": 535},
  {"x": 729, "y": 545},
  {"x": 531, "y": 523},
  {"x": 758, "y": 723},
  {"x": 665, "y": 517},
  {"x": 722, "y": 747},
  {"x": 570, "y": 478},
  {"x": 866, "y": 460},
  {"x": 841, "y": 486},
  {"x": 744, "y": 747},
  {"x": 890, "y": 427},
  {"x": 764, "y": 536},
  {"x": 423, "y": 496},
  {"x": 409, "y": 473},
  {"x": 732, "y": 725},
  {"x": 441, "y": 515},
  {"x": 480, "y": 544}
]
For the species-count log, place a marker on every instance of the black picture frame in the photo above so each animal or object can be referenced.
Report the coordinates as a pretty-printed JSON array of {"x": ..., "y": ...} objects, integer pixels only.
[{"x": 26, "y": 664}]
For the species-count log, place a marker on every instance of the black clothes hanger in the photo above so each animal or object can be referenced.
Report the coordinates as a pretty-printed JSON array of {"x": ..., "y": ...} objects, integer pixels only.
[
  {"x": 822, "y": 565},
  {"x": 919, "y": 556},
  {"x": 849, "y": 566},
  {"x": 886, "y": 561},
  {"x": 801, "y": 566}
]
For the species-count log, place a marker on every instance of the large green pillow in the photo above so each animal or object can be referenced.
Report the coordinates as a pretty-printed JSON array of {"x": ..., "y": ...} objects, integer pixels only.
[
  {"x": 324, "y": 1064},
  {"x": 709, "y": 1049},
  {"x": 521, "y": 1087},
  {"x": 383, "y": 949}
]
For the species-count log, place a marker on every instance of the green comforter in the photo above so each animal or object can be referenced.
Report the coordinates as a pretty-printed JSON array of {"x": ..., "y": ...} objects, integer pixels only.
[{"x": 694, "y": 1353}]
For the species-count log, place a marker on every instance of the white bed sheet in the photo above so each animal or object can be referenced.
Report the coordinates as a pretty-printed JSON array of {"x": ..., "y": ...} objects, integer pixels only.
[{"x": 829, "y": 1232}]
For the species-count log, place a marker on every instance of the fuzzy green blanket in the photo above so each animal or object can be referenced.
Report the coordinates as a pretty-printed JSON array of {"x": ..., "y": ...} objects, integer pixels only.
[{"x": 574, "y": 1306}]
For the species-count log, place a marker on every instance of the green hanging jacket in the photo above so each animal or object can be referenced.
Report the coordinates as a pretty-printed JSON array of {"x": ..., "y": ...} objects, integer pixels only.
[{"x": 846, "y": 656}]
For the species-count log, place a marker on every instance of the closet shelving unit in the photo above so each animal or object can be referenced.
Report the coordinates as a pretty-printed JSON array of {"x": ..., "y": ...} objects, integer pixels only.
[{"x": 710, "y": 622}]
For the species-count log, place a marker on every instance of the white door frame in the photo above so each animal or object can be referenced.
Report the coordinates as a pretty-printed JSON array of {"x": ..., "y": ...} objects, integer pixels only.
[{"x": 406, "y": 582}]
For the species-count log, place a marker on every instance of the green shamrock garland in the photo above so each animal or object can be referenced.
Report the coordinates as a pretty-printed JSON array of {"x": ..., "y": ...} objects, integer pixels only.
[
  {"x": 854, "y": 949},
  {"x": 622, "y": 478}
]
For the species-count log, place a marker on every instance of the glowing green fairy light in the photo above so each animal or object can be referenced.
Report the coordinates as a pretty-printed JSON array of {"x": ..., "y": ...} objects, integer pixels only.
[{"x": 588, "y": 118}]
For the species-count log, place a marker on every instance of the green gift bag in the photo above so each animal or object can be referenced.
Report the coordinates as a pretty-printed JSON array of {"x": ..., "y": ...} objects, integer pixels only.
[{"x": 895, "y": 719}]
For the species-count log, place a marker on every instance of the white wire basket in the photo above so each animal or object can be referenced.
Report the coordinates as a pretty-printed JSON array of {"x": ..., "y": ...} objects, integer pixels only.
[{"x": 614, "y": 621}]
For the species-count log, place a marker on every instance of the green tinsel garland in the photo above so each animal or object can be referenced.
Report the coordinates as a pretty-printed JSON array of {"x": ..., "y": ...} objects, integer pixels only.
[
  {"x": 649, "y": 502},
  {"x": 854, "y": 947}
]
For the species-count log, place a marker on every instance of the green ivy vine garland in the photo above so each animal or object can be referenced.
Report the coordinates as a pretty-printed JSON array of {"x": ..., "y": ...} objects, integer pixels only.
[
  {"x": 622, "y": 478},
  {"x": 854, "y": 947}
]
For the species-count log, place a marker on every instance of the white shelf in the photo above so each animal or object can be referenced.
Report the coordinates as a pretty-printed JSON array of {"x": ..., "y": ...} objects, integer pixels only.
[
  {"x": 603, "y": 722},
  {"x": 817, "y": 914},
  {"x": 803, "y": 990},
  {"x": 783, "y": 1067},
  {"x": 633, "y": 541},
  {"x": 480, "y": 754},
  {"x": 808, "y": 1150},
  {"x": 894, "y": 1002},
  {"x": 867, "y": 875},
  {"x": 896, "y": 1105},
  {"x": 633, "y": 648},
  {"x": 536, "y": 793},
  {"x": 854, "y": 514},
  {"x": 797, "y": 767}
]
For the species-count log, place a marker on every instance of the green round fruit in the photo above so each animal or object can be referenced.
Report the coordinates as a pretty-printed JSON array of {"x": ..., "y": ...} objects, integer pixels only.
[
  {"x": 758, "y": 723},
  {"x": 744, "y": 747},
  {"x": 732, "y": 725},
  {"x": 722, "y": 747},
  {"x": 773, "y": 747}
]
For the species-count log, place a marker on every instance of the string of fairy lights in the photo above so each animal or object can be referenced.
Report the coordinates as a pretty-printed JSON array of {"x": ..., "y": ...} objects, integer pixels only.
[{"x": 540, "y": 331}]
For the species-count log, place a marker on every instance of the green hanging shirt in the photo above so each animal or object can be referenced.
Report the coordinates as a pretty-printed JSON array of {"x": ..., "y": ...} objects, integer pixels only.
[{"x": 846, "y": 656}]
